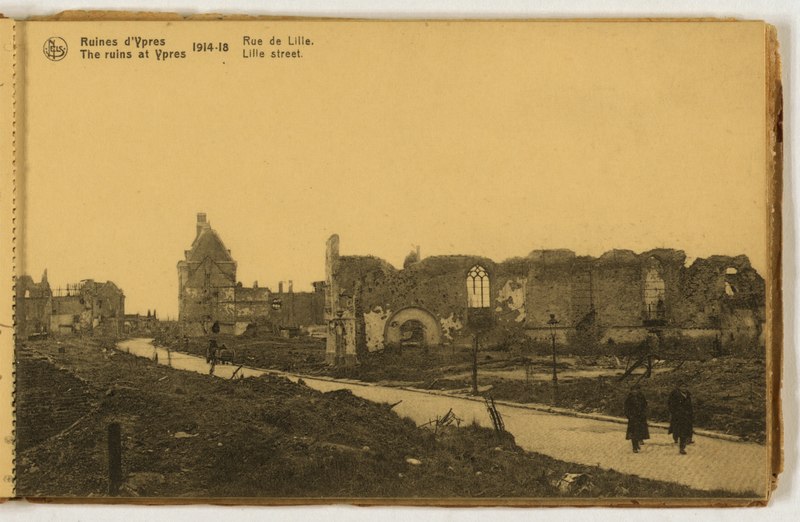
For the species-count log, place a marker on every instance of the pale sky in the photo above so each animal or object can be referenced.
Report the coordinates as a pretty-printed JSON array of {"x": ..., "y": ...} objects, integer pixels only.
[{"x": 487, "y": 139}]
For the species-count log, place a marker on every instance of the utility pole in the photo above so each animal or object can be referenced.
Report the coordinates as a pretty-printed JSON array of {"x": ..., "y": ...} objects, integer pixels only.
[
  {"x": 475, "y": 364},
  {"x": 552, "y": 324}
]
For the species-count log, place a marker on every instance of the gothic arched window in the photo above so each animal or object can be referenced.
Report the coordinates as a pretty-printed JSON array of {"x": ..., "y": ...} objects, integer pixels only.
[
  {"x": 654, "y": 291},
  {"x": 478, "y": 295}
]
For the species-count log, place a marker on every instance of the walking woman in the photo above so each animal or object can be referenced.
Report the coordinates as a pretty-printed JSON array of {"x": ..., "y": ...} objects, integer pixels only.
[{"x": 636, "y": 412}]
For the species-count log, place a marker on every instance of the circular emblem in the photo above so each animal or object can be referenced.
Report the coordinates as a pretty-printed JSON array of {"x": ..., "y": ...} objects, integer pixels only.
[{"x": 55, "y": 48}]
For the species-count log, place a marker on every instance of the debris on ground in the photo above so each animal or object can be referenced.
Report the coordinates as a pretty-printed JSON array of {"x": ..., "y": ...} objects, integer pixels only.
[
  {"x": 494, "y": 414},
  {"x": 577, "y": 483},
  {"x": 261, "y": 437}
]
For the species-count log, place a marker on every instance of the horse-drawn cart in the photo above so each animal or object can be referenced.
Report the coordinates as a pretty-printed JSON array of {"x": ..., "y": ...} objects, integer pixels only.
[{"x": 219, "y": 354}]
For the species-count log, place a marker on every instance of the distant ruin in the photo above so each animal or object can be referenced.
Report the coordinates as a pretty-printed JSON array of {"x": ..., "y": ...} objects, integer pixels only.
[
  {"x": 210, "y": 294},
  {"x": 615, "y": 298},
  {"x": 88, "y": 307}
]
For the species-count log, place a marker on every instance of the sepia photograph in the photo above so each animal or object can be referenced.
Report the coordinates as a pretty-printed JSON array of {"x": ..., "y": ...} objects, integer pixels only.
[{"x": 397, "y": 262}]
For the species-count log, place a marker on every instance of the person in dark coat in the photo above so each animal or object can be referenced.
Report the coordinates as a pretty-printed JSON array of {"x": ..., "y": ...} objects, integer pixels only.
[
  {"x": 636, "y": 412},
  {"x": 681, "y": 423},
  {"x": 211, "y": 351}
]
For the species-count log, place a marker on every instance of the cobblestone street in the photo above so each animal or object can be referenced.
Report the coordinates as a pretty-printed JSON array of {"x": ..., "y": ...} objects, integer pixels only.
[{"x": 711, "y": 463}]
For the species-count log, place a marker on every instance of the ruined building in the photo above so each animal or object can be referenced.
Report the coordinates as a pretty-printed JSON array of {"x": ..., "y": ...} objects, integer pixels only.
[
  {"x": 581, "y": 300},
  {"x": 34, "y": 305},
  {"x": 209, "y": 293},
  {"x": 139, "y": 324},
  {"x": 88, "y": 307}
]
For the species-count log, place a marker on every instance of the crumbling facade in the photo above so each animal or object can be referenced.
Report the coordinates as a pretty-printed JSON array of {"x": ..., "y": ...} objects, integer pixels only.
[
  {"x": 616, "y": 298},
  {"x": 34, "y": 305},
  {"x": 210, "y": 294},
  {"x": 88, "y": 307}
]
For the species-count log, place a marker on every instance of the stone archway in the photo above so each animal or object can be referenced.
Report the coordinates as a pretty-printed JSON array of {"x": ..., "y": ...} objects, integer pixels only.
[{"x": 412, "y": 326}]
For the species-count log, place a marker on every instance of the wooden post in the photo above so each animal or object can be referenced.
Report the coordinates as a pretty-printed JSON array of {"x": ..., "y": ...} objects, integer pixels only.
[
  {"x": 475, "y": 365},
  {"x": 114, "y": 458}
]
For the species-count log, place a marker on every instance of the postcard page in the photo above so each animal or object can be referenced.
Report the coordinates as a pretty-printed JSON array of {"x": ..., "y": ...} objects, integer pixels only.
[{"x": 430, "y": 262}]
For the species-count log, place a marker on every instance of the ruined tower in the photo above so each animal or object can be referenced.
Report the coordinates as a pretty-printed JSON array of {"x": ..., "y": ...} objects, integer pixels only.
[
  {"x": 339, "y": 311},
  {"x": 206, "y": 283}
]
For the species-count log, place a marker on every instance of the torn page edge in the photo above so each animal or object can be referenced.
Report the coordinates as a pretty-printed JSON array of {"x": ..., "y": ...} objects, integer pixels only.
[
  {"x": 166, "y": 16},
  {"x": 7, "y": 259},
  {"x": 774, "y": 140}
]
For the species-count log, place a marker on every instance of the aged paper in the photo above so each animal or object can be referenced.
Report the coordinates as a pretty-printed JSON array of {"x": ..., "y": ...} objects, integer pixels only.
[
  {"x": 441, "y": 262},
  {"x": 7, "y": 197}
]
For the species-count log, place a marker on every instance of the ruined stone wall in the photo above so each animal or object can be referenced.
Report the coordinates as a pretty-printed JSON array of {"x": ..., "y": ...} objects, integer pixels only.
[
  {"x": 202, "y": 307},
  {"x": 207, "y": 295},
  {"x": 709, "y": 292},
  {"x": 618, "y": 292},
  {"x": 299, "y": 309},
  {"x": 108, "y": 327},
  {"x": 70, "y": 315},
  {"x": 244, "y": 306},
  {"x": 32, "y": 315},
  {"x": 702, "y": 289},
  {"x": 89, "y": 307},
  {"x": 613, "y": 285},
  {"x": 509, "y": 282},
  {"x": 671, "y": 267},
  {"x": 616, "y": 297},
  {"x": 109, "y": 301},
  {"x": 33, "y": 306},
  {"x": 108, "y": 308},
  {"x": 432, "y": 287},
  {"x": 549, "y": 291},
  {"x": 252, "y": 305},
  {"x": 725, "y": 293}
]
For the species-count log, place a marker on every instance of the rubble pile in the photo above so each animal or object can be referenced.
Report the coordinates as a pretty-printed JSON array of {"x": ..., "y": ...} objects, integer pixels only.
[{"x": 192, "y": 435}]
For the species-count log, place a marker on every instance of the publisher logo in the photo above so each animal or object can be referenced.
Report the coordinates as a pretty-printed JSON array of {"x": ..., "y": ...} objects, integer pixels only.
[{"x": 55, "y": 48}]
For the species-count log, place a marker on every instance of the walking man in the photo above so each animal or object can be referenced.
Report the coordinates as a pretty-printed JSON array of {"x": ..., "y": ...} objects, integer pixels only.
[
  {"x": 681, "y": 424},
  {"x": 211, "y": 351},
  {"x": 636, "y": 412}
]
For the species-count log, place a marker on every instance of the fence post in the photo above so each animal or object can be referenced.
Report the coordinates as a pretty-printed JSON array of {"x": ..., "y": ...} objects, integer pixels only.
[{"x": 114, "y": 458}]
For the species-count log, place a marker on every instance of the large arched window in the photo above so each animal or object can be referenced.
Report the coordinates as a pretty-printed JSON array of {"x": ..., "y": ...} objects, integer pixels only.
[
  {"x": 478, "y": 294},
  {"x": 654, "y": 291}
]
